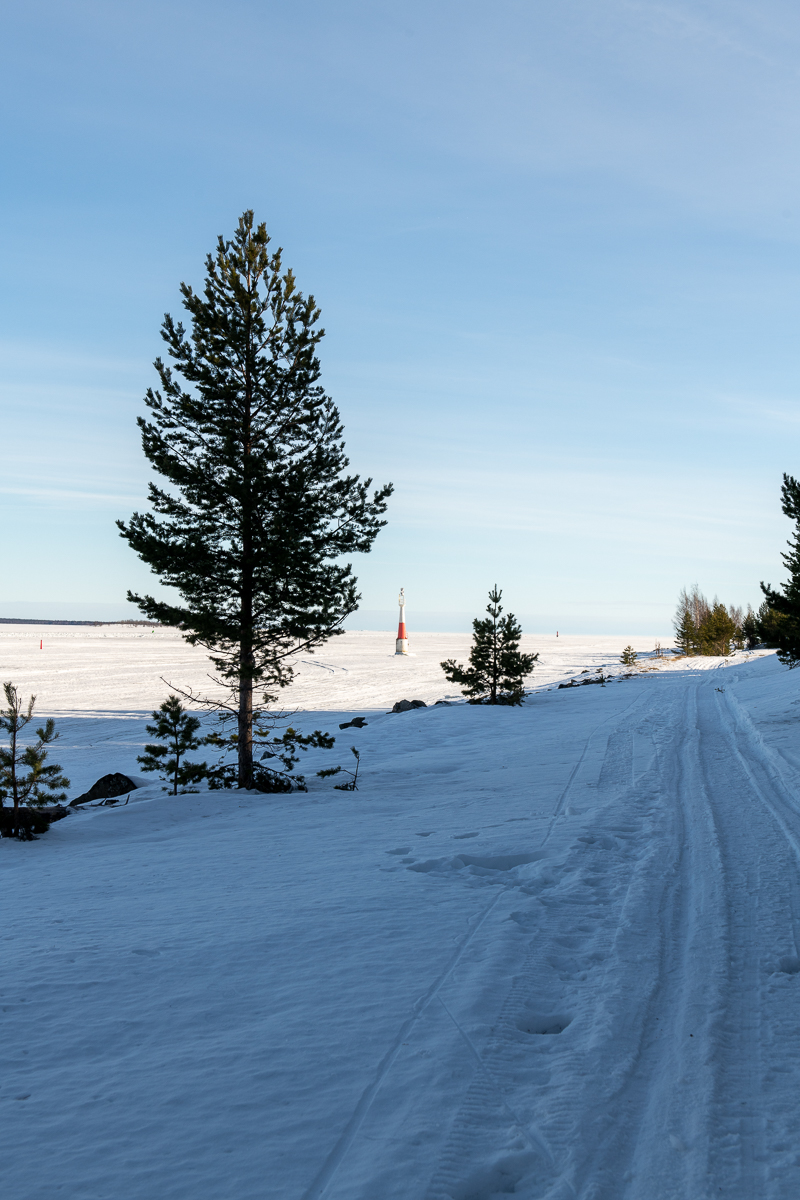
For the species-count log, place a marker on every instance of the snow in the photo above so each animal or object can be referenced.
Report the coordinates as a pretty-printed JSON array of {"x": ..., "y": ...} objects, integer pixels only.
[{"x": 548, "y": 952}]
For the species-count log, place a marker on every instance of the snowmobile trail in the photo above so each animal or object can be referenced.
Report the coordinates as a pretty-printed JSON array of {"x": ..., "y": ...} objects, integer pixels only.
[
  {"x": 485, "y": 1155},
  {"x": 760, "y": 836},
  {"x": 486, "y": 1099}
]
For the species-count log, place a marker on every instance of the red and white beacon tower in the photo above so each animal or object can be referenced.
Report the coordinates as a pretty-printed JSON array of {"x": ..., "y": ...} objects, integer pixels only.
[{"x": 401, "y": 646}]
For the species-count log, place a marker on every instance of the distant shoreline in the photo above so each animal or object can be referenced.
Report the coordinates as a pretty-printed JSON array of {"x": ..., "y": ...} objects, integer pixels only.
[{"x": 42, "y": 621}]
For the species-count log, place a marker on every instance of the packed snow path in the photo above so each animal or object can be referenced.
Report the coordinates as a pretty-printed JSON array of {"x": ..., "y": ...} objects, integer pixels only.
[{"x": 548, "y": 952}]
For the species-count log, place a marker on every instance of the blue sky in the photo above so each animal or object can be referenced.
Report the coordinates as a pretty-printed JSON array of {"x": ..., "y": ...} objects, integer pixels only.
[{"x": 556, "y": 250}]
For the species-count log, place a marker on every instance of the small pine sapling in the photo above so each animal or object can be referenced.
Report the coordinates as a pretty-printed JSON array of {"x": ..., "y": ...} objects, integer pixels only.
[
  {"x": 352, "y": 786},
  {"x": 497, "y": 670},
  {"x": 24, "y": 777},
  {"x": 628, "y": 656},
  {"x": 177, "y": 727}
]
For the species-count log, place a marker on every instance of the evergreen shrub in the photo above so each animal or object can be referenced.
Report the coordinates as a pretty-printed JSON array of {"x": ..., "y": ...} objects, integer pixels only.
[{"x": 496, "y": 671}]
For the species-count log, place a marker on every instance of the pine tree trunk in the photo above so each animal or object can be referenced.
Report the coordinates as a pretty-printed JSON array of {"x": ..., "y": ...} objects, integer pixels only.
[
  {"x": 246, "y": 670},
  {"x": 14, "y": 786},
  {"x": 246, "y": 666},
  {"x": 245, "y": 745},
  {"x": 247, "y": 660}
]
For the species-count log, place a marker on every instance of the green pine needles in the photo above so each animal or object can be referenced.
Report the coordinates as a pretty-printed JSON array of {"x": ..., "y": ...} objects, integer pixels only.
[
  {"x": 780, "y": 622},
  {"x": 272, "y": 772},
  {"x": 177, "y": 728},
  {"x": 258, "y": 513},
  {"x": 709, "y": 629},
  {"x": 26, "y": 778},
  {"x": 352, "y": 783},
  {"x": 628, "y": 656},
  {"x": 273, "y": 769},
  {"x": 496, "y": 671}
]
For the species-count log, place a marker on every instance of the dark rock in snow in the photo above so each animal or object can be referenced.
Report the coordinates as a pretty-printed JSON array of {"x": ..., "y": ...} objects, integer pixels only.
[
  {"x": 106, "y": 788},
  {"x": 356, "y": 723},
  {"x": 407, "y": 705}
]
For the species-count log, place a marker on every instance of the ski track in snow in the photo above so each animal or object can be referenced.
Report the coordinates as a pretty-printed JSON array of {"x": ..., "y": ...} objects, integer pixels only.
[{"x": 549, "y": 952}]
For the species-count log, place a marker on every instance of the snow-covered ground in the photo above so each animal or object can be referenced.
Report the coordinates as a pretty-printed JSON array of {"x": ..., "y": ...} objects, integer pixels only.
[{"x": 548, "y": 952}]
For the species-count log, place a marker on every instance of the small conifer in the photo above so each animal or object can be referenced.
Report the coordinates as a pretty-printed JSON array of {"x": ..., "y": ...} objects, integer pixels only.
[
  {"x": 628, "y": 656},
  {"x": 177, "y": 727},
  {"x": 24, "y": 777},
  {"x": 497, "y": 670}
]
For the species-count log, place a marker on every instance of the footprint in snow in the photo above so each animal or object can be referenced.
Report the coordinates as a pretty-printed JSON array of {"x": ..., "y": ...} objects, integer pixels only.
[
  {"x": 479, "y": 865},
  {"x": 459, "y": 837},
  {"x": 401, "y": 850},
  {"x": 538, "y": 1024}
]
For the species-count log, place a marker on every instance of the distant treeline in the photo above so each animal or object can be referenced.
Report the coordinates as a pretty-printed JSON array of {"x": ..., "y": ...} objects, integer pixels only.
[
  {"x": 703, "y": 627},
  {"x": 41, "y": 621}
]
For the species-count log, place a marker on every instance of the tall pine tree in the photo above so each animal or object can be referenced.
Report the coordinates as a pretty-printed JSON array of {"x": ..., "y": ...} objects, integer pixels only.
[
  {"x": 496, "y": 670},
  {"x": 258, "y": 510},
  {"x": 784, "y": 605}
]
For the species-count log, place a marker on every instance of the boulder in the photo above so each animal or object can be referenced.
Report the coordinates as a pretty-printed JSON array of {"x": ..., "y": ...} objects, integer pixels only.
[
  {"x": 106, "y": 788},
  {"x": 407, "y": 705}
]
